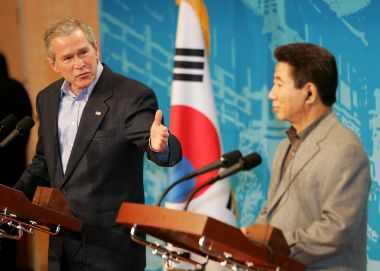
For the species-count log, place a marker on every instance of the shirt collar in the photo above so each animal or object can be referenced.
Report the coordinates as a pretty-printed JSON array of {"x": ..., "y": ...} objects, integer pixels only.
[
  {"x": 292, "y": 133},
  {"x": 66, "y": 88}
]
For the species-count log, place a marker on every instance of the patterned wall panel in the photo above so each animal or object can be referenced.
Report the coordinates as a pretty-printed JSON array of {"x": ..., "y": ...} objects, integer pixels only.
[{"x": 137, "y": 40}]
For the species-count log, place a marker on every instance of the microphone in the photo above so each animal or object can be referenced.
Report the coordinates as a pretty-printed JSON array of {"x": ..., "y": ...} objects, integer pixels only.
[
  {"x": 7, "y": 123},
  {"x": 246, "y": 163},
  {"x": 225, "y": 160},
  {"x": 22, "y": 127}
]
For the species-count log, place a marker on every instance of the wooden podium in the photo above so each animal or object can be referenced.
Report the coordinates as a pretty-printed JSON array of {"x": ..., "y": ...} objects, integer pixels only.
[
  {"x": 48, "y": 210},
  {"x": 206, "y": 236}
]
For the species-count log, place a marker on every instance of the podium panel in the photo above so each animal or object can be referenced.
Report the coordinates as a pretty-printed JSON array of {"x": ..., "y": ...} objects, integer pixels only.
[
  {"x": 206, "y": 236},
  {"x": 16, "y": 208}
]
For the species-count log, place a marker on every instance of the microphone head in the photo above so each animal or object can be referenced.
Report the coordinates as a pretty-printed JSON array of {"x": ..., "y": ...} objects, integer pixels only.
[
  {"x": 230, "y": 158},
  {"x": 8, "y": 121},
  {"x": 25, "y": 124},
  {"x": 251, "y": 160}
]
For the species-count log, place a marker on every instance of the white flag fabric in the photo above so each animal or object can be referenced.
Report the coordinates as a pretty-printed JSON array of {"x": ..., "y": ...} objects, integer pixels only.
[
  {"x": 193, "y": 120},
  {"x": 193, "y": 117}
]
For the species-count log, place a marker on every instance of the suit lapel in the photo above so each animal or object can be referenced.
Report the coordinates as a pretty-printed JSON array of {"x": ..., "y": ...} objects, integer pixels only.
[
  {"x": 305, "y": 153},
  {"x": 277, "y": 167},
  {"x": 51, "y": 137},
  {"x": 277, "y": 185},
  {"x": 92, "y": 116}
]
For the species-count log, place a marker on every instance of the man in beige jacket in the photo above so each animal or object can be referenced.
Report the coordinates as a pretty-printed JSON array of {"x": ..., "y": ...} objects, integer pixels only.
[{"x": 320, "y": 179}]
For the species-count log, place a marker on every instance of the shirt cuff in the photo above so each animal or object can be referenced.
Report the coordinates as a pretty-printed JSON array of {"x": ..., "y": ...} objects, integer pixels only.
[{"x": 163, "y": 156}]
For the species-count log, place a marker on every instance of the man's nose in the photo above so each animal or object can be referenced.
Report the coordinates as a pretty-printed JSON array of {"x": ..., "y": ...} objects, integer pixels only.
[
  {"x": 271, "y": 94},
  {"x": 79, "y": 63}
]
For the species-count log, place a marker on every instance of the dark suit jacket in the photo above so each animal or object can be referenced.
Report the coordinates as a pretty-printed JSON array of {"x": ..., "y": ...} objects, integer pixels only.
[{"x": 105, "y": 167}]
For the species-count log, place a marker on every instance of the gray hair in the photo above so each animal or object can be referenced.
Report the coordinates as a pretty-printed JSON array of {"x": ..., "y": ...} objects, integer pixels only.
[{"x": 65, "y": 27}]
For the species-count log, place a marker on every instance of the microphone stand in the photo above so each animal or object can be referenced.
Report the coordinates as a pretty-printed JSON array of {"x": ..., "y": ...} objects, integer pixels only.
[
  {"x": 245, "y": 163},
  {"x": 181, "y": 180},
  {"x": 225, "y": 160},
  {"x": 195, "y": 191}
]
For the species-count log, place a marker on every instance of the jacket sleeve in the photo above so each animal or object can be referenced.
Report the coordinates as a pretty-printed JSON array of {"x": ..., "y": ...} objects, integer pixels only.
[
  {"x": 139, "y": 122},
  {"x": 36, "y": 174},
  {"x": 175, "y": 153}
]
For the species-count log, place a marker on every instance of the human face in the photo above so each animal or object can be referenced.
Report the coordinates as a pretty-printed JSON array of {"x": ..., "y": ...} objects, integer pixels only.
[
  {"x": 287, "y": 100},
  {"x": 75, "y": 59}
]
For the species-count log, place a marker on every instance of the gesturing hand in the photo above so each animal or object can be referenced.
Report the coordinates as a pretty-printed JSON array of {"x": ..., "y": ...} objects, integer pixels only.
[{"x": 159, "y": 133}]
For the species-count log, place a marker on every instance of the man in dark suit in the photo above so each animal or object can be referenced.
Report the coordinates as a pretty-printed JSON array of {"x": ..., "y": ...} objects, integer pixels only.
[
  {"x": 94, "y": 127},
  {"x": 13, "y": 100}
]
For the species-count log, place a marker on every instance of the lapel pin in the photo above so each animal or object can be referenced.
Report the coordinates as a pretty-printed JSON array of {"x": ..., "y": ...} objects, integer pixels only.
[{"x": 98, "y": 113}]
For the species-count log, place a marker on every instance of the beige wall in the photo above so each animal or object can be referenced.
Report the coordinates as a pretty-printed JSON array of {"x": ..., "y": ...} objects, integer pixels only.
[{"x": 23, "y": 23}]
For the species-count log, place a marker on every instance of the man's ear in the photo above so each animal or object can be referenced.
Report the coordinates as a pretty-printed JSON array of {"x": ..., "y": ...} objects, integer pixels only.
[
  {"x": 97, "y": 49},
  {"x": 52, "y": 64},
  {"x": 311, "y": 92}
]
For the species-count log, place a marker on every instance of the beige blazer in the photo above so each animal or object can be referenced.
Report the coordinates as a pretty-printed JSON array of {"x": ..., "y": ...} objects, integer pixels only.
[{"x": 320, "y": 203}]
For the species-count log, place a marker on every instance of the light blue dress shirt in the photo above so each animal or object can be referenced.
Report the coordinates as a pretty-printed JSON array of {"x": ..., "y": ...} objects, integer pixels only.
[{"x": 69, "y": 114}]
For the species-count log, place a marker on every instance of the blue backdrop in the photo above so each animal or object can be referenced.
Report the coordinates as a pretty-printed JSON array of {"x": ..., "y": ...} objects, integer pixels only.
[{"x": 138, "y": 38}]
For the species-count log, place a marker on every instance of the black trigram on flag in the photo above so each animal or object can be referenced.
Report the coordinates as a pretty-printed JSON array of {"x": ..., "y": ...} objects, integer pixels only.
[{"x": 189, "y": 64}]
